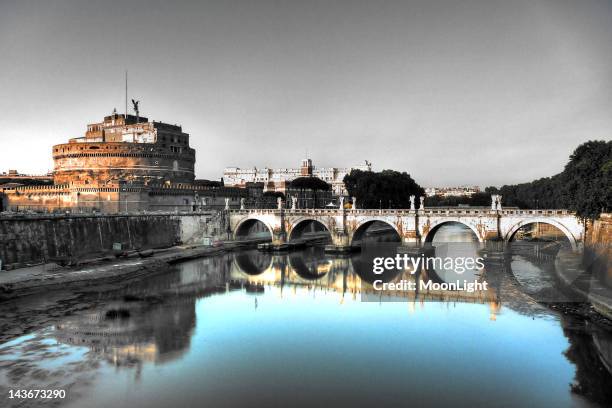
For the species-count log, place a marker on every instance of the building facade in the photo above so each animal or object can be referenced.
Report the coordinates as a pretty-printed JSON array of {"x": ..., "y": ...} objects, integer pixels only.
[
  {"x": 277, "y": 179},
  {"x": 463, "y": 191}
]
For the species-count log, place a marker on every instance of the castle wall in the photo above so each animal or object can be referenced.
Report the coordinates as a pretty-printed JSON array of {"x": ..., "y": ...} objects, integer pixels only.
[
  {"x": 61, "y": 198},
  {"x": 124, "y": 198},
  {"x": 98, "y": 163}
]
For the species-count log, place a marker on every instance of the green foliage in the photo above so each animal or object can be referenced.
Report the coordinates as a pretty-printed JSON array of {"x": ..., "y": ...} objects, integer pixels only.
[
  {"x": 477, "y": 199},
  {"x": 542, "y": 193},
  {"x": 586, "y": 178},
  {"x": 583, "y": 186},
  {"x": 386, "y": 189},
  {"x": 273, "y": 194},
  {"x": 309, "y": 183}
]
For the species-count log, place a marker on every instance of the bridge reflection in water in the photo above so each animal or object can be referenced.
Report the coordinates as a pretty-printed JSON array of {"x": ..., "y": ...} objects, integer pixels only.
[
  {"x": 311, "y": 270},
  {"x": 252, "y": 328}
]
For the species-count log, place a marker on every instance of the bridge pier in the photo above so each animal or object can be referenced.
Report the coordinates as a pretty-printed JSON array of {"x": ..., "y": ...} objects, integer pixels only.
[
  {"x": 341, "y": 241},
  {"x": 279, "y": 237},
  {"x": 411, "y": 238}
]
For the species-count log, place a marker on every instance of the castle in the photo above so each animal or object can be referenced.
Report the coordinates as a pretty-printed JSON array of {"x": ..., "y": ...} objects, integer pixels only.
[{"x": 125, "y": 163}]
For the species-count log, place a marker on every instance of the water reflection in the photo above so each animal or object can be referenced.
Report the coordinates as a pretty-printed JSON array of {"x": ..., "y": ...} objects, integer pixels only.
[
  {"x": 310, "y": 264},
  {"x": 253, "y": 262},
  {"x": 132, "y": 331},
  {"x": 255, "y": 328},
  {"x": 591, "y": 351}
]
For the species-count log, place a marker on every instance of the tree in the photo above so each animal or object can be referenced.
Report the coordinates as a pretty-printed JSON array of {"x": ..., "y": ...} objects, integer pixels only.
[
  {"x": 586, "y": 178},
  {"x": 386, "y": 189},
  {"x": 273, "y": 195},
  {"x": 309, "y": 183},
  {"x": 476, "y": 199},
  {"x": 269, "y": 199},
  {"x": 584, "y": 186},
  {"x": 311, "y": 192},
  {"x": 542, "y": 193}
]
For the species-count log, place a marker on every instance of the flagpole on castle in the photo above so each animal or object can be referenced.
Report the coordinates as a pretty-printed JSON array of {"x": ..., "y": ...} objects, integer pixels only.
[{"x": 126, "y": 89}]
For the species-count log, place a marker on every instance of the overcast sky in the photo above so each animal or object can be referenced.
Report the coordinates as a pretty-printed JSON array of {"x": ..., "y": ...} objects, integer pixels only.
[{"x": 453, "y": 92}]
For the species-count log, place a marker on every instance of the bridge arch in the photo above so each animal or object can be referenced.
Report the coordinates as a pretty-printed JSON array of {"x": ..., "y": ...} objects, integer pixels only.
[
  {"x": 243, "y": 228},
  {"x": 432, "y": 231},
  {"x": 301, "y": 224},
  {"x": 362, "y": 226},
  {"x": 550, "y": 221}
]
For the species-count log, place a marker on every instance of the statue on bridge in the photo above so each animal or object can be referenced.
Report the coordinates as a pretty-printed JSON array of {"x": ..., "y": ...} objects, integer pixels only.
[
  {"x": 279, "y": 203},
  {"x": 422, "y": 203},
  {"x": 293, "y": 202},
  {"x": 242, "y": 203},
  {"x": 226, "y": 203},
  {"x": 341, "y": 203},
  {"x": 354, "y": 207},
  {"x": 412, "y": 197},
  {"x": 496, "y": 202}
]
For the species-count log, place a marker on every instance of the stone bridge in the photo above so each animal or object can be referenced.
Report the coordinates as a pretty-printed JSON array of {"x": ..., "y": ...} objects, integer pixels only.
[{"x": 412, "y": 226}]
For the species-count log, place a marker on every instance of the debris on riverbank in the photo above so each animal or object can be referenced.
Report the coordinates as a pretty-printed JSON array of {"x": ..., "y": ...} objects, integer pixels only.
[{"x": 582, "y": 310}]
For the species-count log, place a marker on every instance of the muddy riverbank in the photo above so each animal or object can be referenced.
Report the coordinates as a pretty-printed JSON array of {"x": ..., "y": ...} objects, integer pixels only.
[{"x": 109, "y": 270}]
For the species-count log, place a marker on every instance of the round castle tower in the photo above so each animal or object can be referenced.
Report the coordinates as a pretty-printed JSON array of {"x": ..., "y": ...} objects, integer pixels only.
[{"x": 125, "y": 149}]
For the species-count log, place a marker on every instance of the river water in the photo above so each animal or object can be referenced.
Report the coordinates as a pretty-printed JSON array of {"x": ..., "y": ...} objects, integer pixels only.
[{"x": 252, "y": 329}]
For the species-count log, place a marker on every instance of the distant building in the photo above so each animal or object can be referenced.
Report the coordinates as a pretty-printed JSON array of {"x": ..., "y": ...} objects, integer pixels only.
[
  {"x": 13, "y": 179},
  {"x": 464, "y": 191},
  {"x": 277, "y": 179},
  {"x": 13, "y": 176},
  {"x": 122, "y": 164}
]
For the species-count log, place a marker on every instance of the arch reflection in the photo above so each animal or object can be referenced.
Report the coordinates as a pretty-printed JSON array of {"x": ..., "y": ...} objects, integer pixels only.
[
  {"x": 253, "y": 262},
  {"x": 310, "y": 264}
]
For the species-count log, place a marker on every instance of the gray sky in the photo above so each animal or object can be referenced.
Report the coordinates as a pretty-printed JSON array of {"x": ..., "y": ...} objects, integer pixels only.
[{"x": 453, "y": 92}]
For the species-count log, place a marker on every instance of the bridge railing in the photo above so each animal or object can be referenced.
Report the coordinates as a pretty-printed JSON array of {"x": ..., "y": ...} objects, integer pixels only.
[
  {"x": 538, "y": 212},
  {"x": 471, "y": 211}
]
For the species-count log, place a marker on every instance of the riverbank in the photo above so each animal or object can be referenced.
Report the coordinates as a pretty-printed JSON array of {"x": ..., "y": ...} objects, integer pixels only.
[
  {"x": 41, "y": 278},
  {"x": 572, "y": 274}
]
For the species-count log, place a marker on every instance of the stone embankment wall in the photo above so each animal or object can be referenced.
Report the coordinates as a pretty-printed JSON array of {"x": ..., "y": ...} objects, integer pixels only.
[
  {"x": 29, "y": 239},
  {"x": 598, "y": 249},
  {"x": 600, "y": 233}
]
